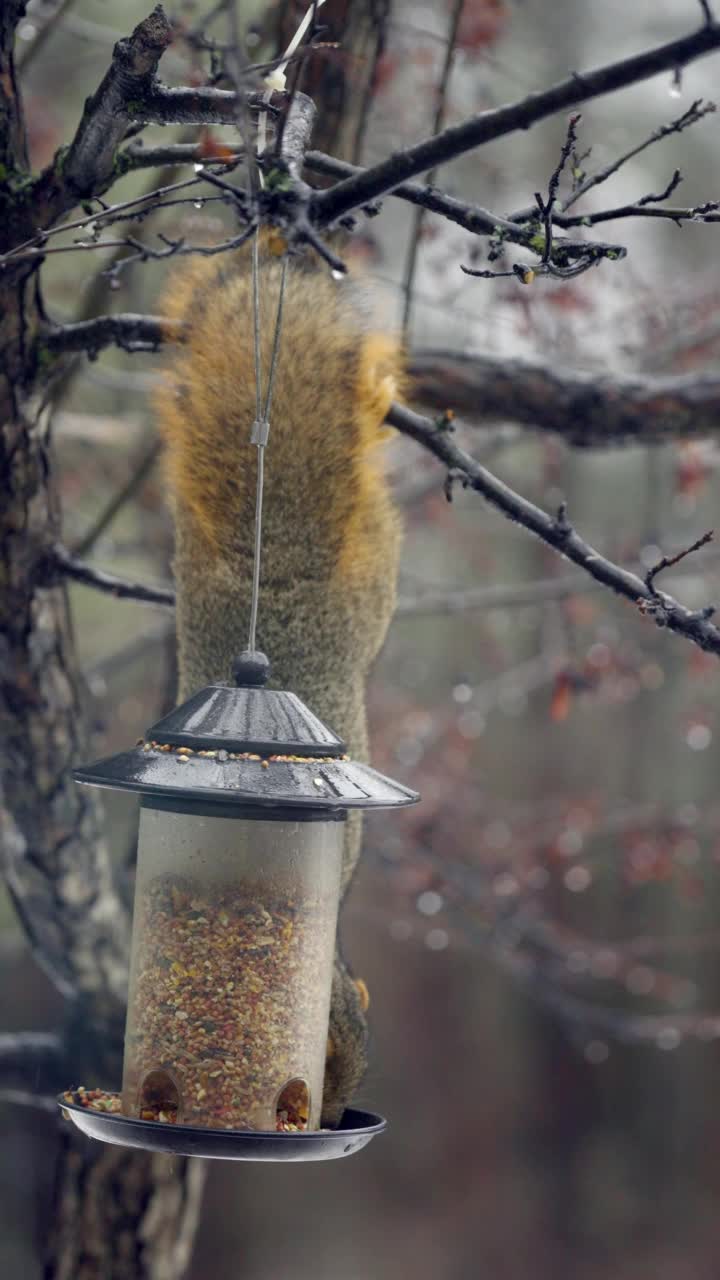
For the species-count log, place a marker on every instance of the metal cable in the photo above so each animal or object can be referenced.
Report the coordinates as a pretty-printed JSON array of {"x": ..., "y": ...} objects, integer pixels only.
[{"x": 261, "y": 425}]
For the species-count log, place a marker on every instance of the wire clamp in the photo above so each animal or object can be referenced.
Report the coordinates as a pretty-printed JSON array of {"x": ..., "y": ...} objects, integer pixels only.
[{"x": 260, "y": 432}]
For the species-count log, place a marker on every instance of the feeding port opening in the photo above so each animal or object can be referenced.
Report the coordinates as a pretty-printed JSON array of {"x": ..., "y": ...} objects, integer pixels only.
[
  {"x": 292, "y": 1109},
  {"x": 159, "y": 1098}
]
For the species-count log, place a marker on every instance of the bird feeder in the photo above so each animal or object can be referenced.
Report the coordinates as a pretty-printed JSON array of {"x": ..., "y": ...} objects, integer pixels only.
[{"x": 244, "y": 796}]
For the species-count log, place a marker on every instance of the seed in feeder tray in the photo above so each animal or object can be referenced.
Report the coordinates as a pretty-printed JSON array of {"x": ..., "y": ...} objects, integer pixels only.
[{"x": 92, "y": 1099}]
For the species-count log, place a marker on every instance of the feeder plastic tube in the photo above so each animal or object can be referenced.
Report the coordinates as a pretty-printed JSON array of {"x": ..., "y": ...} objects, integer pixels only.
[{"x": 231, "y": 967}]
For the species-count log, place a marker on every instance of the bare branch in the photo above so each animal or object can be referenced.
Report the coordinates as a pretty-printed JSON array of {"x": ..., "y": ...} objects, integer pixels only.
[
  {"x": 13, "y": 143},
  {"x": 196, "y": 106},
  {"x": 522, "y": 595},
  {"x": 695, "y": 112},
  {"x": 584, "y": 408},
  {"x": 36, "y": 1057},
  {"x": 61, "y": 563},
  {"x": 556, "y": 532},
  {"x": 101, "y": 216},
  {"x": 708, "y": 212},
  {"x": 89, "y": 163},
  {"x": 129, "y": 332},
  {"x": 142, "y": 252},
  {"x": 134, "y": 482},
  {"x": 296, "y": 133},
  {"x": 519, "y": 596},
  {"x": 355, "y": 192},
  {"x": 131, "y": 652},
  {"x": 137, "y": 156},
  {"x": 40, "y": 39},
  {"x": 23, "y": 1098},
  {"x": 471, "y": 217},
  {"x": 438, "y": 121},
  {"x": 546, "y": 207},
  {"x": 667, "y": 561}
]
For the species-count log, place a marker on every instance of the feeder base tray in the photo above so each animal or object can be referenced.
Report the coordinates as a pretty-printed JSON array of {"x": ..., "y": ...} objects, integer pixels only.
[{"x": 356, "y": 1129}]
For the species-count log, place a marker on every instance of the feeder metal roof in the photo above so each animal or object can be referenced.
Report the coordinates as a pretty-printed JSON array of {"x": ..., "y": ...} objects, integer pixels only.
[{"x": 199, "y": 753}]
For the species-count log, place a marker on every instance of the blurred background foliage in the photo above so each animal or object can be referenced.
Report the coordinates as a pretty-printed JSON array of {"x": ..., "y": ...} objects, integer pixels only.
[{"x": 540, "y": 936}]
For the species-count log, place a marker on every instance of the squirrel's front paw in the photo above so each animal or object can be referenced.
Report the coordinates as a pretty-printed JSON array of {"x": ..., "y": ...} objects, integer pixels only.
[{"x": 346, "y": 1060}]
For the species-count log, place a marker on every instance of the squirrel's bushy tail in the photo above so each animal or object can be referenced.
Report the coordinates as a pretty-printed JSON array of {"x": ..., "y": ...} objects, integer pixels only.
[{"x": 330, "y": 532}]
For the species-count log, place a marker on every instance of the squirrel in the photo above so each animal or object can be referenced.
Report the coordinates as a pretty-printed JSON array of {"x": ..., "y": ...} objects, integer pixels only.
[{"x": 330, "y": 535}]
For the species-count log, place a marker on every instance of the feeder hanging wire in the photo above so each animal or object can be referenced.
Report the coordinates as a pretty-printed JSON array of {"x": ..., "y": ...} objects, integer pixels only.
[{"x": 261, "y": 425}]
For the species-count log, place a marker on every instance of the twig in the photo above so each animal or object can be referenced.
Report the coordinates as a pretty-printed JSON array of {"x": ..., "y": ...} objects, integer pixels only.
[
  {"x": 137, "y": 156},
  {"x": 143, "y": 252},
  {"x": 41, "y": 36},
  {"x": 667, "y": 561},
  {"x": 24, "y": 1098},
  {"x": 696, "y": 111},
  {"x": 557, "y": 532},
  {"x": 707, "y": 12},
  {"x": 60, "y": 562},
  {"x": 672, "y": 185},
  {"x": 708, "y": 212},
  {"x": 100, "y": 215},
  {"x": 136, "y": 648},
  {"x": 519, "y": 596},
  {"x": 438, "y": 121},
  {"x": 31, "y": 1055},
  {"x": 546, "y": 207},
  {"x": 104, "y": 519},
  {"x": 330, "y": 205},
  {"x": 471, "y": 217}
]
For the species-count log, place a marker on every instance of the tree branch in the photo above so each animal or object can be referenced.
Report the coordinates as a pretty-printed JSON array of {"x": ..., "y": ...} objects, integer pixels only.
[
  {"x": 413, "y": 245},
  {"x": 34, "y": 1059},
  {"x": 13, "y": 145},
  {"x": 89, "y": 164},
  {"x": 134, "y": 482},
  {"x": 556, "y": 532},
  {"x": 470, "y": 217},
  {"x": 137, "y": 156},
  {"x": 695, "y": 112},
  {"x": 332, "y": 204},
  {"x": 61, "y": 563},
  {"x": 40, "y": 39},
  {"x": 707, "y": 212},
  {"x": 129, "y": 332},
  {"x": 183, "y": 105},
  {"x": 521, "y": 595},
  {"x": 584, "y": 408},
  {"x": 666, "y": 562}
]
